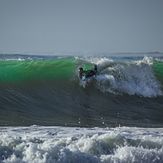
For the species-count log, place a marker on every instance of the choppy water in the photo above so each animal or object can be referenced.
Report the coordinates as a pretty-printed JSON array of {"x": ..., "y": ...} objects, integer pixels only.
[{"x": 70, "y": 145}]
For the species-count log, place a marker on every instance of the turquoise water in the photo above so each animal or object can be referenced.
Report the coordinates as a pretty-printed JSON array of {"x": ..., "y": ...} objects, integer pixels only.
[{"x": 28, "y": 70}]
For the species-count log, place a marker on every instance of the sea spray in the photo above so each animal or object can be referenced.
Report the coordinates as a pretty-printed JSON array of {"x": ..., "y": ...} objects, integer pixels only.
[{"x": 134, "y": 77}]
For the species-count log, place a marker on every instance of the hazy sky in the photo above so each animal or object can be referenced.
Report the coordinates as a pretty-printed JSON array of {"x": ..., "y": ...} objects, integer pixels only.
[{"x": 50, "y": 26}]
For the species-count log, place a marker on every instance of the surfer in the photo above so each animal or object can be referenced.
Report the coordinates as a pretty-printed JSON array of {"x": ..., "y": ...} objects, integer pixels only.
[{"x": 87, "y": 73}]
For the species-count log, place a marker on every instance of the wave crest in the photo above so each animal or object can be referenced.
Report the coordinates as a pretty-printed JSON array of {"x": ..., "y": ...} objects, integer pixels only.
[{"x": 133, "y": 78}]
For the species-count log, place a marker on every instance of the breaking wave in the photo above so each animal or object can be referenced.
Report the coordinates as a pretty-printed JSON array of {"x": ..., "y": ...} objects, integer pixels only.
[
  {"x": 47, "y": 91},
  {"x": 133, "y": 78}
]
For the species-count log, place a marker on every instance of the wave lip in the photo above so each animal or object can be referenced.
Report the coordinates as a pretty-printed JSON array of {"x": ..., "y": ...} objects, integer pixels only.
[{"x": 60, "y": 144}]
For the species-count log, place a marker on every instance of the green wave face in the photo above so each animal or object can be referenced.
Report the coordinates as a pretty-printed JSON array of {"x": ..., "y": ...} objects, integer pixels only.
[
  {"x": 17, "y": 71},
  {"x": 158, "y": 70}
]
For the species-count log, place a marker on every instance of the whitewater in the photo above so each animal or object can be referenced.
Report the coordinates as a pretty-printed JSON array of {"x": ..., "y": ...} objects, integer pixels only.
[
  {"x": 47, "y": 114},
  {"x": 67, "y": 145}
]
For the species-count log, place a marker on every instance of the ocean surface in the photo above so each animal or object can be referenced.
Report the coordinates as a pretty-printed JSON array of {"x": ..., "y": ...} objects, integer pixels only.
[{"x": 116, "y": 116}]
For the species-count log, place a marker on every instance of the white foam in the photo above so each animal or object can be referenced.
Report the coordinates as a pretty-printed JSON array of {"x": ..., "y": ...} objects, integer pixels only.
[
  {"x": 135, "y": 77},
  {"x": 65, "y": 144},
  {"x": 14, "y": 59}
]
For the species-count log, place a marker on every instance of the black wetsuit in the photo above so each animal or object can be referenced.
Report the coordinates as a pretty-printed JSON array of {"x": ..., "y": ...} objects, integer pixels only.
[{"x": 87, "y": 73}]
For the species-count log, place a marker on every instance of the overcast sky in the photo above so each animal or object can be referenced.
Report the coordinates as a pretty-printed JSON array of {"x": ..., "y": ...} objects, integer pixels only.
[{"x": 52, "y": 26}]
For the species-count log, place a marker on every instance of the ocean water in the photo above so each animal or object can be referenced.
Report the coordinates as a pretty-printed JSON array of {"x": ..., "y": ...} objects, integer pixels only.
[
  {"x": 70, "y": 145},
  {"x": 84, "y": 119}
]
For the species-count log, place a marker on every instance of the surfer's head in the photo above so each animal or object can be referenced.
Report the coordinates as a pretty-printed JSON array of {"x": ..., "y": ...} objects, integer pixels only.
[
  {"x": 95, "y": 68},
  {"x": 80, "y": 69},
  {"x": 80, "y": 72}
]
